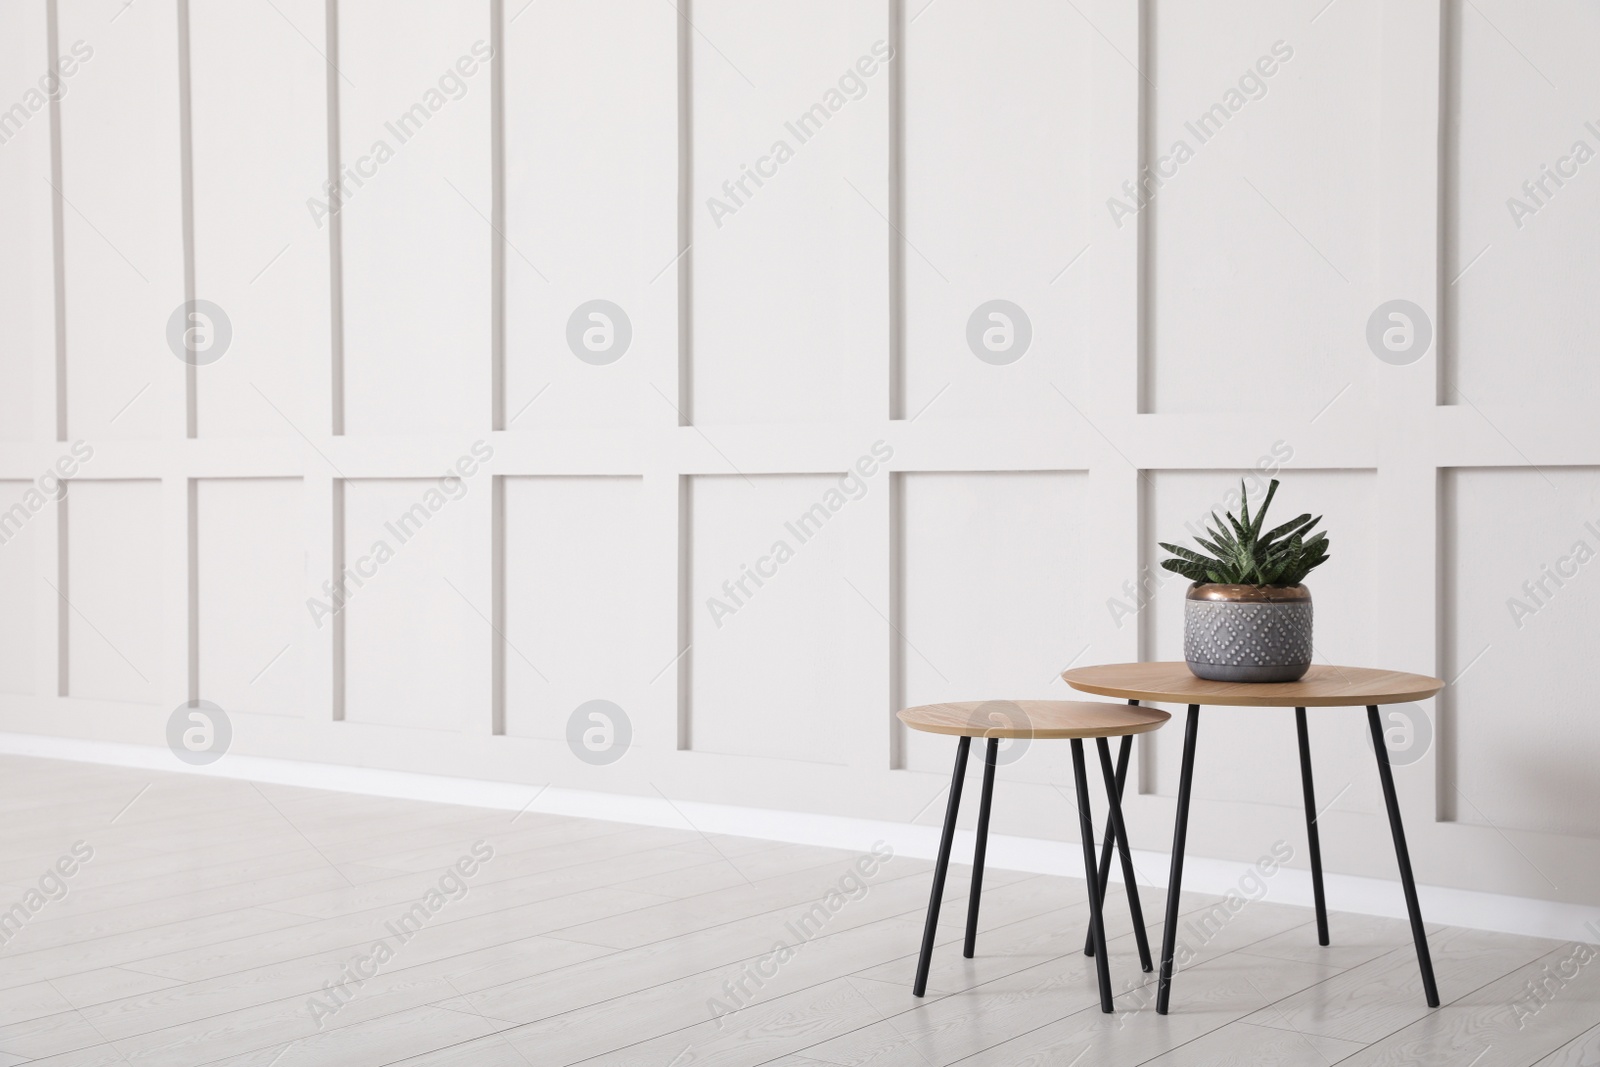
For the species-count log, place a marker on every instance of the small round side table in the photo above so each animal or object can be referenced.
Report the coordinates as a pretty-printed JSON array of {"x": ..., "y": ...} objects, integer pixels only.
[
  {"x": 1322, "y": 687},
  {"x": 1073, "y": 719}
]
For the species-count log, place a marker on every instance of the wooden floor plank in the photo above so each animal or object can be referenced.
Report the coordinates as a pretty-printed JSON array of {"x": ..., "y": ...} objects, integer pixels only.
[
  {"x": 1369, "y": 1002},
  {"x": 214, "y": 911},
  {"x": 1513, "y": 1021},
  {"x": 1581, "y": 1052},
  {"x": 1247, "y": 1045}
]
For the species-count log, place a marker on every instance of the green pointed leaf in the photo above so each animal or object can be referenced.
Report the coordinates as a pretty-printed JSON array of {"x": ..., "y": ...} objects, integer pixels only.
[
  {"x": 1255, "y": 529},
  {"x": 1187, "y": 554},
  {"x": 1296, "y": 525}
]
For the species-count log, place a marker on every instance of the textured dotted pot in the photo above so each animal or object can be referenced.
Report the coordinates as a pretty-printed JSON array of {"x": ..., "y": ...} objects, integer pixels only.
[{"x": 1247, "y": 633}]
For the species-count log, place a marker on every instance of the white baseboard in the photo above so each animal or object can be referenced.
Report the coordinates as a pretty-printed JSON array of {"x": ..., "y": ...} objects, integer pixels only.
[{"x": 1348, "y": 893}]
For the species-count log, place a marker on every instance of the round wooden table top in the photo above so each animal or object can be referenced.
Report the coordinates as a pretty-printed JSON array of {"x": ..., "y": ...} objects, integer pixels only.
[
  {"x": 1033, "y": 718},
  {"x": 1322, "y": 687}
]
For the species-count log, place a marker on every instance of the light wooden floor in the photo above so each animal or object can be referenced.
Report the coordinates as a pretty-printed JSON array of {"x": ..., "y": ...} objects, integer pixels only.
[{"x": 212, "y": 912}]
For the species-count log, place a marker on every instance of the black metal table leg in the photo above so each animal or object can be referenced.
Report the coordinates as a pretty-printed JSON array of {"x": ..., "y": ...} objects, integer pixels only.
[
  {"x": 1115, "y": 804},
  {"x": 1313, "y": 838},
  {"x": 1180, "y": 831},
  {"x": 982, "y": 847},
  {"x": 1403, "y": 856},
  {"x": 942, "y": 864},
  {"x": 1106, "y": 846},
  {"x": 1097, "y": 925}
]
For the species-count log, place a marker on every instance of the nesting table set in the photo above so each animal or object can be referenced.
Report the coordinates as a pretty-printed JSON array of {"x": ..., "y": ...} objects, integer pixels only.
[{"x": 1080, "y": 720}]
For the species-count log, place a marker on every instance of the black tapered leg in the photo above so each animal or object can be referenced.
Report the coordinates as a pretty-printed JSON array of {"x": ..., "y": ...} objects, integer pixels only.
[
  {"x": 941, "y": 865},
  {"x": 983, "y": 845},
  {"x": 1097, "y": 926},
  {"x": 1121, "y": 830},
  {"x": 1403, "y": 856},
  {"x": 1106, "y": 846},
  {"x": 1313, "y": 838},
  {"x": 1180, "y": 831}
]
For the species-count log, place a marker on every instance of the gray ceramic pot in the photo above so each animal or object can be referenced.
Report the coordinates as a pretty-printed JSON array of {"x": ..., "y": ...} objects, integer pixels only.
[{"x": 1247, "y": 633}]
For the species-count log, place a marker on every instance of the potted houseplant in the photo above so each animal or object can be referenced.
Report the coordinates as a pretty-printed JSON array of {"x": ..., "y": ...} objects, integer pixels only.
[{"x": 1247, "y": 617}]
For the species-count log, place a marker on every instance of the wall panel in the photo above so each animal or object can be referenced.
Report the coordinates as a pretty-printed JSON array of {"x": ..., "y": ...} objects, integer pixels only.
[
  {"x": 1522, "y": 206},
  {"x": 19, "y": 582},
  {"x": 113, "y": 585},
  {"x": 574, "y": 567},
  {"x": 998, "y": 205},
  {"x": 123, "y": 232},
  {"x": 591, "y": 211},
  {"x": 411, "y": 634},
  {"x": 790, "y": 299},
  {"x": 29, "y": 76},
  {"x": 780, "y": 662},
  {"x": 1523, "y": 606},
  {"x": 1263, "y": 237},
  {"x": 254, "y": 626},
  {"x": 260, "y": 228},
  {"x": 414, "y": 132}
]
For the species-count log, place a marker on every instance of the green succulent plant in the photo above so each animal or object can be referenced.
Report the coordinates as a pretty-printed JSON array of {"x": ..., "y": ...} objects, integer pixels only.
[{"x": 1242, "y": 555}]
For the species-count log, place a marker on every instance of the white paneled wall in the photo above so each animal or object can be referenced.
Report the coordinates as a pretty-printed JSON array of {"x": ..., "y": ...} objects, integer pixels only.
[
  {"x": 27, "y": 282},
  {"x": 254, "y": 634},
  {"x": 415, "y": 116},
  {"x": 997, "y": 199},
  {"x": 977, "y": 625},
  {"x": 122, "y": 242},
  {"x": 113, "y": 533},
  {"x": 619, "y": 351},
  {"x": 1523, "y": 137},
  {"x": 806, "y": 604},
  {"x": 416, "y": 646},
  {"x": 573, "y": 633},
  {"x": 18, "y": 644},
  {"x": 260, "y": 151},
  {"x": 591, "y": 209},
  {"x": 1263, "y": 244},
  {"x": 797, "y": 336},
  {"x": 1521, "y": 546}
]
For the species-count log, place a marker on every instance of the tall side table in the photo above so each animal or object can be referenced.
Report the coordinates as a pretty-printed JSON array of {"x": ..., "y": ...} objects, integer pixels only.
[{"x": 1323, "y": 686}]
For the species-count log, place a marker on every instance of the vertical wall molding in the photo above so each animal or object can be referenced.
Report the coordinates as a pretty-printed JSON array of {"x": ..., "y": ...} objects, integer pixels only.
[
  {"x": 497, "y": 216},
  {"x": 685, "y": 610},
  {"x": 897, "y": 617},
  {"x": 1144, "y": 357},
  {"x": 497, "y": 603},
  {"x": 186, "y": 192},
  {"x": 685, "y": 272},
  {"x": 337, "y": 622},
  {"x": 57, "y": 227},
  {"x": 1444, "y": 336},
  {"x": 897, "y": 211},
  {"x": 1446, "y": 736},
  {"x": 177, "y": 674},
  {"x": 1446, "y": 567},
  {"x": 321, "y": 519},
  {"x": 335, "y": 226},
  {"x": 59, "y": 601},
  {"x": 191, "y": 644}
]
